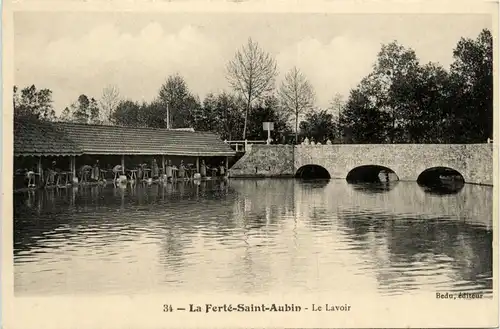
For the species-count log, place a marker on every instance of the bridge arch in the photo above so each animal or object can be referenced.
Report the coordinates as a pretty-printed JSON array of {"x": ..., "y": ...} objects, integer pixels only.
[
  {"x": 441, "y": 180},
  {"x": 312, "y": 171},
  {"x": 371, "y": 174}
]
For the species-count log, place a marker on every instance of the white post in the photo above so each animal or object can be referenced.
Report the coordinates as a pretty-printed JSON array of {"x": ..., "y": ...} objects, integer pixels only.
[
  {"x": 197, "y": 164},
  {"x": 123, "y": 164},
  {"x": 268, "y": 136}
]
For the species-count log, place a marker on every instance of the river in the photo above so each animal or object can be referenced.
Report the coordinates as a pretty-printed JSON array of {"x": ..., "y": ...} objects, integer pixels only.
[{"x": 252, "y": 236}]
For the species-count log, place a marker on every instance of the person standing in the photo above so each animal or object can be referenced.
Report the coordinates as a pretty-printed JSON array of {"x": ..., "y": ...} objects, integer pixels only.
[
  {"x": 222, "y": 169},
  {"x": 155, "y": 172},
  {"x": 95, "y": 171},
  {"x": 182, "y": 170},
  {"x": 203, "y": 169},
  {"x": 117, "y": 171},
  {"x": 168, "y": 170}
]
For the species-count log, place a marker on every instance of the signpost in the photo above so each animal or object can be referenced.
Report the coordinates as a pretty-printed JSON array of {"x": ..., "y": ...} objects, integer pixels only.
[{"x": 268, "y": 126}]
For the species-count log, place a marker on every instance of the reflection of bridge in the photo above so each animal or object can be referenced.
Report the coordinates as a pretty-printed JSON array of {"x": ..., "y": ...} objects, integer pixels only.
[{"x": 473, "y": 161}]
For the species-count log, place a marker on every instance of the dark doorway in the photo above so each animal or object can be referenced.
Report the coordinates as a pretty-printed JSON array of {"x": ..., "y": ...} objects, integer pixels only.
[
  {"x": 312, "y": 172},
  {"x": 371, "y": 174},
  {"x": 441, "y": 180}
]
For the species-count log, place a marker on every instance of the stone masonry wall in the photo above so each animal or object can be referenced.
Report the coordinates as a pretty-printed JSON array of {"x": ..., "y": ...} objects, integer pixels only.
[
  {"x": 265, "y": 161},
  {"x": 408, "y": 161}
]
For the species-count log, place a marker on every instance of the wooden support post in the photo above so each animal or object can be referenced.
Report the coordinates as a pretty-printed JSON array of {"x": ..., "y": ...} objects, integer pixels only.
[
  {"x": 197, "y": 164},
  {"x": 163, "y": 164},
  {"x": 73, "y": 168},
  {"x": 227, "y": 164},
  {"x": 40, "y": 169},
  {"x": 123, "y": 164}
]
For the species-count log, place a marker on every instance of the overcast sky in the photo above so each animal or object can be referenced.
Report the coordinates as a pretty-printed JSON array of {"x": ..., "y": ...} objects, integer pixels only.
[{"x": 81, "y": 53}]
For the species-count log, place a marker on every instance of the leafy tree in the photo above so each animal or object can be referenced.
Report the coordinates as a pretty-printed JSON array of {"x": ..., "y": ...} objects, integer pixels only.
[
  {"x": 84, "y": 110},
  {"x": 268, "y": 110},
  {"x": 296, "y": 95},
  {"x": 472, "y": 89},
  {"x": 427, "y": 114},
  {"x": 319, "y": 126},
  {"x": 127, "y": 113},
  {"x": 81, "y": 109},
  {"x": 66, "y": 115},
  {"x": 178, "y": 104},
  {"x": 387, "y": 86},
  {"x": 220, "y": 114},
  {"x": 425, "y": 103},
  {"x": 362, "y": 122},
  {"x": 251, "y": 74},
  {"x": 94, "y": 112},
  {"x": 31, "y": 103}
]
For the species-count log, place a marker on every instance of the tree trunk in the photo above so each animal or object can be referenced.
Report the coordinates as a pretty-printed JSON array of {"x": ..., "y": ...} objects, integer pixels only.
[
  {"x": 246, "y": 119},
  {"x": 296, "y": 128}
]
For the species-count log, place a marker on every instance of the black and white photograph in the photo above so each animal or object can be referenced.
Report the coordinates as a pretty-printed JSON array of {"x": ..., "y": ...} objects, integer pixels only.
[{"x": 255, "y": 153}]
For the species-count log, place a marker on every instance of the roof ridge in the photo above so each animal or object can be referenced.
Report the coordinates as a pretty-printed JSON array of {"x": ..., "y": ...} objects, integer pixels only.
[{"x": 132, "y": 127}]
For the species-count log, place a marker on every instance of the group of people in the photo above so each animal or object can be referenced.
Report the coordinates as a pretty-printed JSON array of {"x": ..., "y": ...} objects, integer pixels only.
[
  {"x": 186, "y": 172},
  {"x": 95, "y": 173},
  {"x": 172, "y": 172},
  {"x": 47, "y": 178},
  {"x": 306, "y": 141}
]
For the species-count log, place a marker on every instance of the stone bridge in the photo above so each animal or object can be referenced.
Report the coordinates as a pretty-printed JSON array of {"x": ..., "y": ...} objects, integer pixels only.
[{"x": 473, "y": 161}]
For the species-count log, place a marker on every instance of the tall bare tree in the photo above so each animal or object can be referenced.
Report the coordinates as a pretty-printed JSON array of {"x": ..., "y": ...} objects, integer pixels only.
[
  {"x": 335, "y": 108},
  {"x": 252, "y": 74},
  {"x": 296, "y": 95},
  {"x": 109, "y": 101}
]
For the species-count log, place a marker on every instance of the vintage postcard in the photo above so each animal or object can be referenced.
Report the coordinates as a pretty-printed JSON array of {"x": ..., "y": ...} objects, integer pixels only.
[{"x": 238, "y": 164}]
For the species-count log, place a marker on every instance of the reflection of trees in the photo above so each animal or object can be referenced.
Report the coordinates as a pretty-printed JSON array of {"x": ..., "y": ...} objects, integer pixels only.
[
  {"x": 405, "y": 230},
  {"x": 261, "y": 208},
  {"x": 418, "y": 245},
  {"x": 40, "y": 215},
  {"x": 263, "y": 201},
  {"x": 251, "y": 226}
]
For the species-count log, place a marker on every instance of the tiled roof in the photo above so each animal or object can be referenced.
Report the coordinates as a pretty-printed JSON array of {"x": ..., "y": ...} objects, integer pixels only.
[
  {"x": 117, "y": 140},
  {"x": 33, "y": 138}
]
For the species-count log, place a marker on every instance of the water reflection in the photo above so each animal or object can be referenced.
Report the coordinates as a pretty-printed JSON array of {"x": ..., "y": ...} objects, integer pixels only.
[
  {"x": 251, "y": 236},
  {"x": 313, "y": 183},
  {"x": 443, "y": 188},
  {"x": 377, "y": 187}
]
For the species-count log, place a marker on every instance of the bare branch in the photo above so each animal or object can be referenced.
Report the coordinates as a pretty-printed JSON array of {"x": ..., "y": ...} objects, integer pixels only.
[
  {"x": 252, "y": 74},
  {"x": 109, "y": 101},
  {"x": 296, "y": 95}
]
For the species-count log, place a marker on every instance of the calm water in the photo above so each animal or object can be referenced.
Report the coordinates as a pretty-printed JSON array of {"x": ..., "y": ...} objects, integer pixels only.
[{"x": 253, "y": 236}]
